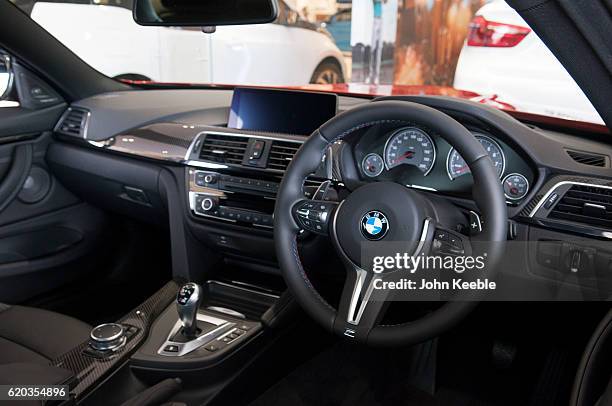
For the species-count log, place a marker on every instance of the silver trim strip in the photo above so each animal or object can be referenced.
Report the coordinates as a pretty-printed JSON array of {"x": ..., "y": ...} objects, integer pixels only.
[
  {"x": 353, "y": 318},
  {"x": 558, "y": 185},
  {"x": 227, "y": 311},
  {"x": 361, "y": 274},
  {"x": 185, "y": 348}
]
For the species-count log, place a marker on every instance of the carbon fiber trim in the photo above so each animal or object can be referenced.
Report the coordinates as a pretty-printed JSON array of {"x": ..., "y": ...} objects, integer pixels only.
[
  {"x": 88, "y": 370},
  {"x": 555, "y": 180}
]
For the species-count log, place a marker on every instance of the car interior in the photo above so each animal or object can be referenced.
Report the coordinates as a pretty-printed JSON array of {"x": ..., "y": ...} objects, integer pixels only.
[{"x": 204, "y": 245}]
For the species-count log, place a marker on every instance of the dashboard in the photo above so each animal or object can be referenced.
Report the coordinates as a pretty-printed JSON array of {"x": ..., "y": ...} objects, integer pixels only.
[{"x": 187, "y": 154}]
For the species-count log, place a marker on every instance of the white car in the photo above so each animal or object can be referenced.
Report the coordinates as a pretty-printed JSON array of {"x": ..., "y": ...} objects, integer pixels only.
[
  {"x": 503, "y": 57},
  {"x": 249, "y": 54}
]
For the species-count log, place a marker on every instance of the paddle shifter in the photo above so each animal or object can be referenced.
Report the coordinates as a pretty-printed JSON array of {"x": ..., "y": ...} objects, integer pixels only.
[{"x": 187, "y": 303}]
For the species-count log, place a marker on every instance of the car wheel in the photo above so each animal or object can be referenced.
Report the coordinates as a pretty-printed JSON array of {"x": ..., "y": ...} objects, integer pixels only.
[{"x": 327, "y": 73}]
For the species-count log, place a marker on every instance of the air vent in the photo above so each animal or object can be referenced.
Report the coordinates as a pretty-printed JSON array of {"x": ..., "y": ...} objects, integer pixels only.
[
  {"x": 585, "y": 204},
  {"x": 281, "y": 154},
  {"x": 227, "y": 149},
  {"x": 73, "y": 122},
  {"x": 587, "y": 158}
]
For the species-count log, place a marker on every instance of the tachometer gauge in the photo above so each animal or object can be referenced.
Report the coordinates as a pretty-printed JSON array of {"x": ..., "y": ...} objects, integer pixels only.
[
  {"x": 410, "y": 146},
  {"x": 372, "y": 165},
  {"x": 516, "y": 186},
  {"x": 456, "y": 165}
]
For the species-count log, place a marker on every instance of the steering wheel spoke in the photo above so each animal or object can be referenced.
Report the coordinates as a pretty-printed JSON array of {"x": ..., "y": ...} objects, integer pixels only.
[
  {"x": 314, "y": 215},
  {"x": 358, "y": 313}
]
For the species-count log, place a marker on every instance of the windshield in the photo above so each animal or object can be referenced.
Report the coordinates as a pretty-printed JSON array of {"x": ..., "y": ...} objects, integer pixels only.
[{"x": 476, "y": 49}]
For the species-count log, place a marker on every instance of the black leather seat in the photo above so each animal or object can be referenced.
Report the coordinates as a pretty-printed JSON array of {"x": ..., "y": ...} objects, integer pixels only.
[{"x": 29, "y": 335}]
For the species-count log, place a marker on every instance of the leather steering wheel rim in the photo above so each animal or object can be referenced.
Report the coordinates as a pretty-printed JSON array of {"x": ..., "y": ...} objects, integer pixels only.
[{"x": 487, "y": 193}]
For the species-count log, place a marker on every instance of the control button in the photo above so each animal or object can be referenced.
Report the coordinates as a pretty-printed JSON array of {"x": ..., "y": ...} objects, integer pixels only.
[
  {"x": 233, "y": 335},
  {"x": 257, "y": 149},
  {"x": 552, "y": 199},
  {"x": 475, "y": 223},
  {"x": 441, "y": 235},
  {"x": 549, "y": 253},
  {"x": 210, "y": 178},
  {"x": 575, "y": 260},
  {"x": 211, "y": 347},
  {"x": 106, "y": 337},
  {"x": 244, "y": 327},
  {"x": 307, "y": 223},
  {"x": 455, "y": 241},
  {"x": 314, "y": 215},
  {"x": 171, "y": 348},
  {"x": 199, "y": 179},
  {"x": 447, "y": 243},
  {"x": 207, "y": 204},
  {"x": 226, "y": 340},
  {"x": 239, "y": 332}
]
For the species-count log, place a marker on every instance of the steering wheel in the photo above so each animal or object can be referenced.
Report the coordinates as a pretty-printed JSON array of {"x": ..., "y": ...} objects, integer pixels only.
[{"x": 409, "y": 216}]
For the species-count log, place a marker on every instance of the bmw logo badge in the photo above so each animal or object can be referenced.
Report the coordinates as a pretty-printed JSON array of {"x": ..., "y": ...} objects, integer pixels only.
[{"x": 374, "y": 225}]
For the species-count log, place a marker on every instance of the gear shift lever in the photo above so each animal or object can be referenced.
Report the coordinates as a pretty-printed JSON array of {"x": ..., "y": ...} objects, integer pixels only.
[{"x": 187, "y": 303}]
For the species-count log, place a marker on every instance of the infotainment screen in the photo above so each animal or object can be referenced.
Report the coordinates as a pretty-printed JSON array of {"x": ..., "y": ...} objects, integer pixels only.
[{"x": 282, "y": 111}]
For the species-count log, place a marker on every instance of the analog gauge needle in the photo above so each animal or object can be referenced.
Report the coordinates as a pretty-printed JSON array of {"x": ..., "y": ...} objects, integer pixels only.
[
  {"x": 405, "y": 155},
  {"x": 513, "y": 189},
  {"x": 461, "y": 169}
]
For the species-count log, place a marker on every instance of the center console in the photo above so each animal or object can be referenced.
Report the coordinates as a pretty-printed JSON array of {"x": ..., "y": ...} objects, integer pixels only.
[
  {"x": 233, "y": 175},
  {"x": 203, "y": 325}
]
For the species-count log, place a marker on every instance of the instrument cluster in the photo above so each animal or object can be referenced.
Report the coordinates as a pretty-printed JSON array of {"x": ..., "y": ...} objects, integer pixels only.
[{"x": 412, "y": 156}]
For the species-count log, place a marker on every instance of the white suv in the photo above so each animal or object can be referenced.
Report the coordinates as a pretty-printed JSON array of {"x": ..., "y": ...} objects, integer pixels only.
[
  {"x": 290, "y": 51},
  {"x": 503, "y": 57}
]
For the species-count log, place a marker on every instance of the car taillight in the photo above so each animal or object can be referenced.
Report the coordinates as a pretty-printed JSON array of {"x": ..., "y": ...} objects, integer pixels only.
[{"x": 484, "y": 33}]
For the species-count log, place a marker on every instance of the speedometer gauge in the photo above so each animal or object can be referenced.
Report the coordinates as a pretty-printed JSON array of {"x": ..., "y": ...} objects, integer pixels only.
[
  {"x": 410, "y": 146},
  {"x": 456, "y": 165}
]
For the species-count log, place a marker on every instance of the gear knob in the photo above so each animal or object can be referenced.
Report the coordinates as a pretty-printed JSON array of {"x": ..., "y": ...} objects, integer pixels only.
[{"x": 187, "y": 303}]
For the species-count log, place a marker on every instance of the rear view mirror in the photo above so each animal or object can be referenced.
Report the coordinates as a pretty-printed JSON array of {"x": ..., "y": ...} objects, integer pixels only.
[
  {"x": 6, "y": 76},
  {"x": 204, "y": 13}
]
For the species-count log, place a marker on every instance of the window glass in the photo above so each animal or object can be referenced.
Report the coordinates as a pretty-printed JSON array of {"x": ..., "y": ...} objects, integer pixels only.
[{"x": 474, "y": 48}]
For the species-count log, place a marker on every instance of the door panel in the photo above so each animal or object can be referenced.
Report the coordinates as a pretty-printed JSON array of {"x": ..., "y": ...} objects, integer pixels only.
[{"x": 48, "y": 236}]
